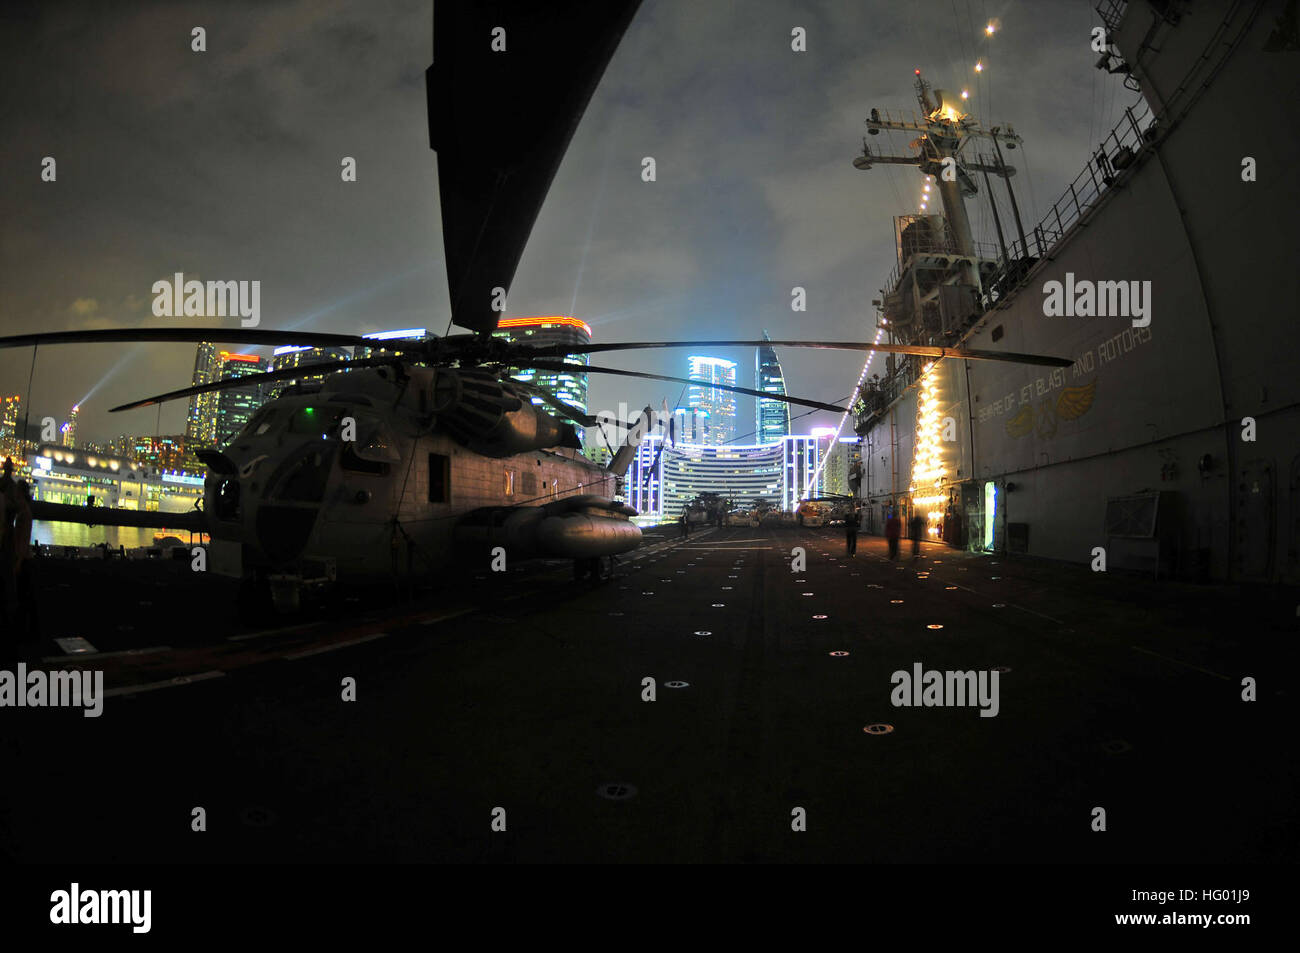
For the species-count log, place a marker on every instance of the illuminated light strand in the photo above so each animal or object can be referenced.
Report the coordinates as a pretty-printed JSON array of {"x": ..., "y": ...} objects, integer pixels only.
[
  {"x": 927, "y": 458},
  {"x": 845, "y": 416}
]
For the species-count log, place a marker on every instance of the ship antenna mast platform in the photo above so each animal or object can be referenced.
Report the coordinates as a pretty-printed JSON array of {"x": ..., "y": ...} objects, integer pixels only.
[{"x": 943, "y": 130}]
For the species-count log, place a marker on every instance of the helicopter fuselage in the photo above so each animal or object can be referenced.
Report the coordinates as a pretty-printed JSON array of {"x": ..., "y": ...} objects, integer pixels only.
[{"x": 362, "y": 479}]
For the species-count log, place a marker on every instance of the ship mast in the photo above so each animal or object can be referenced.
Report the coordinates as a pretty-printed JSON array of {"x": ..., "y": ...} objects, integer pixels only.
[{"x": 943, "y": 130}]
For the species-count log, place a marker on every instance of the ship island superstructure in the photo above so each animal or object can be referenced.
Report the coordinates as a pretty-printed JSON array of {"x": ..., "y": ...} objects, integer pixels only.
[{"x": 1172, "y": 443}]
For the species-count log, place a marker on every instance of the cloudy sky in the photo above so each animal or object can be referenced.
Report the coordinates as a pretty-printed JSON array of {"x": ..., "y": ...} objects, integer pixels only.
[{"x": 225, "y": 165}]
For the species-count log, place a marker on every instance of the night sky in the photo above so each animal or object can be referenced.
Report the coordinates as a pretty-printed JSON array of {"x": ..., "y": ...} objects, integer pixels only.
[{"x": 225, "y": 165}]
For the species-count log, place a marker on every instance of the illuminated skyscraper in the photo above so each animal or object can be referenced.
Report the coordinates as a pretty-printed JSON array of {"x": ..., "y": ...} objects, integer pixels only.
[
  {"x": 236, "y": 406},
  {"x": 841, "y": 473},
  {"x": 715, "y": 409},
  {"x": 771, "y": 417},
  {"x": 388, "y": 342},
  {"x": 69, "y": 429},
  {"x": 10, "y": 410},
  {"x": 286, "y": 357},
  {"x": 569, "y": 386},
  {"x": 201, "y": 422}
]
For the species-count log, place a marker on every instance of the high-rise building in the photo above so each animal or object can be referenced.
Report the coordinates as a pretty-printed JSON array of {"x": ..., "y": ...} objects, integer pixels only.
[
  {"x": 166, "y": 452},
  {"x": 236, "y": 405},
  {"x": 690, "y": 427},
  {"x": 10, "y": 410},
  {"x": 388, "y": 341},
  {"x": 286, "y": 357},
  {"x": 841, "y": 474},
  {"x": 69, "y": 428},
  {"x": 718, "y": 407},
  {"x": 201, "y": 422},
  {"x": 569, "y": 386},
  {"x": 643, "y": 486},
  {"x": 771, "y": 417}
]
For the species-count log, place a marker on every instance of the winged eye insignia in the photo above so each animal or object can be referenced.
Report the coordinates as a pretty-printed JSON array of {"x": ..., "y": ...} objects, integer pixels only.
[
  {"x": 1022, "y": 423},
  {"x": 1075, "y": 401}
]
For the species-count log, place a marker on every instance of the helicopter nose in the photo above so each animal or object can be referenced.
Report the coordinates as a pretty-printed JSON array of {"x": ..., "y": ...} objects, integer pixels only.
[{"x": 283, "y": 531}]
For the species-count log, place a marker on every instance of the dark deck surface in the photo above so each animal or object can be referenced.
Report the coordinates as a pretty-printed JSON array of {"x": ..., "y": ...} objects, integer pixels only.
[{"x": 524, "y": 691}]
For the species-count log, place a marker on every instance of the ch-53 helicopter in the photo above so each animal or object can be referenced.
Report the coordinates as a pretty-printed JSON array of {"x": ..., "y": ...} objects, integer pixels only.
[{"x": 399, "y": 465}]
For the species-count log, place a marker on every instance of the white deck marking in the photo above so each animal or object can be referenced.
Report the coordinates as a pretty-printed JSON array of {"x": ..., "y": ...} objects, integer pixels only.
[
  {"x": 98, "y": 655},
  {"x": 166, "y": 683},
  {"x": 337, "y": 645},
  {"x": 1204, "y": 671},
  {"x": 75, "y": 645},
  {"x": 435, "y": 619},
  {"x": 288, "y": 630},
  {"x": 1041, "y": 615}
]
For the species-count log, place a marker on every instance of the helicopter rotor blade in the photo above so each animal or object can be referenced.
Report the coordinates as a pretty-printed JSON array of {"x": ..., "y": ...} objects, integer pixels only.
[
  {"x": 587, "y": 368},
  {"x": 920, "y": 350},
  {"x": 492, "y": 190},
  {"x": 260, "y": 336},
  {"x": 567, "y": 411},
  {"x": 252, "y": 380}
]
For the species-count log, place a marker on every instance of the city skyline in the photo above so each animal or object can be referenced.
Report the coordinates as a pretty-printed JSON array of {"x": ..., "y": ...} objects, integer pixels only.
[{"x": 711, "y": 249}]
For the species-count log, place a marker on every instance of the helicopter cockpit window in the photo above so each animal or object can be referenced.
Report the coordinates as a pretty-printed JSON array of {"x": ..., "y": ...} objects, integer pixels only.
[
  {"x": 316, "y": 420},
  {"x": 375, "y": 448},
  {"x": 260, "y": 423},
  {"x": 377, "y": 442},
  {"x": 302, "y": 477}
]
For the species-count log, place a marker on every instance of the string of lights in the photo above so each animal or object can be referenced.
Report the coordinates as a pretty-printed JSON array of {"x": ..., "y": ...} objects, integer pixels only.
[
  {"x": 857, "y": 389},
  {"x": 990, "y": 29},
  {"x": 927, "y": 458}
]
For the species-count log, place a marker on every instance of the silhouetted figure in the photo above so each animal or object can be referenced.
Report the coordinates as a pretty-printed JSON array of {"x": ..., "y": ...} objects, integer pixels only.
[
  {"x": 893, "y": 529},
  {"x": 851, "y": 532},
  {"x": 915, "y": 528}
]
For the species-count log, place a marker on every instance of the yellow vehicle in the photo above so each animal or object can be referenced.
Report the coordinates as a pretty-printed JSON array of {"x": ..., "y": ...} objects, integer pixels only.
[{"x": 813, "y": 513}]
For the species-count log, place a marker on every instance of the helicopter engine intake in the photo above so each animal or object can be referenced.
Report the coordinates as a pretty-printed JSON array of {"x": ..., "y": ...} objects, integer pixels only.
[{"x": 487, "y": 415}]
